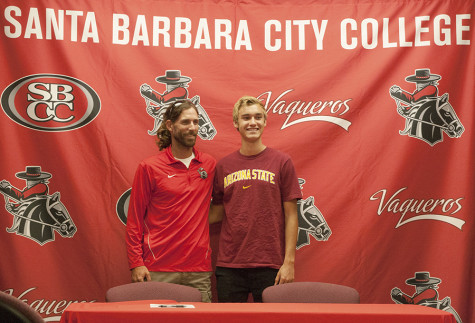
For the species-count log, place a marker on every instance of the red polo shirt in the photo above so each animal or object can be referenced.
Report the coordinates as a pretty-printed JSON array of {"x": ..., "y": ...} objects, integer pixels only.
[{"x": 167, "y": 221}]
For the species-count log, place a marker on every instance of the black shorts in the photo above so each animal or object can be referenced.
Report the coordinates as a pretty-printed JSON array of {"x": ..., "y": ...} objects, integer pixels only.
[{"x": 235, "y": 284}]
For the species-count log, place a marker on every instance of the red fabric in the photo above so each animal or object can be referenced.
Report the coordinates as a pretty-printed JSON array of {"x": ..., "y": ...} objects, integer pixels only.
[
  {"x": 167, "y": 227},
  {"x": 381, "y": 203},
  {"x": 263, "y": 312},
  {"x": 253, "y": 189}
]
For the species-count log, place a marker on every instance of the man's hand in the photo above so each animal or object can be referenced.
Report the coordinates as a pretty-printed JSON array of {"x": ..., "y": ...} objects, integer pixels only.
[
  {"x": 140, "y": 274},
  {"x": 216, "y": 213},
  {"x": 285, "y": 274},
  {"x": 286, "y": 271}
]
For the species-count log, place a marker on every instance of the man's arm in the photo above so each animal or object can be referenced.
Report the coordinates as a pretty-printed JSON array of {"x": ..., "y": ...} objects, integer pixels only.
[
  {"x": 216, "y": 213},
  {"x": 139, "y": 199},
  {"x": 286, "y": 272}
]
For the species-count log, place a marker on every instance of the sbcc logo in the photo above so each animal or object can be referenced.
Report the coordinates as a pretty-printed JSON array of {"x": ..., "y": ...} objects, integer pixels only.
[{"x": 50, "y": 102}]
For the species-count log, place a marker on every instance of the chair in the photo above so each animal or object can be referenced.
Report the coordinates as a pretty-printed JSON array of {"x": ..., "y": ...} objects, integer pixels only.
[
  {"x": 153, "y": 290},
  {"x": 310, "y": 292},
  {"x": 14, "y": 310}
]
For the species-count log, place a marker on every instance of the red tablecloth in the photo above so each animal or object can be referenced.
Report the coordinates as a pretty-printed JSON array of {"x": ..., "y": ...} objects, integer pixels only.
[{"x": 141, "y": 311}]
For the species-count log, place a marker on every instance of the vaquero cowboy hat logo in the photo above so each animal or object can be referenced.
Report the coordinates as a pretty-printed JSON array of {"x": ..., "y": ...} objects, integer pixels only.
[
  {"x": 427, "y": 115},
  {"x": 176, "y": 89},
  {"x": 426, "y": 294},
  {"x": 36, "y": 214}
]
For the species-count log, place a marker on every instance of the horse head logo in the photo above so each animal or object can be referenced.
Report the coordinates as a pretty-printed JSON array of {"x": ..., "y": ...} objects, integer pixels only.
[
  {"x": 207, "y": 130},
  {"x": 451, "y": 123},
  {"x": 311, "y": 223},
  {"x": 37, "y": 218},
  {"x": 429, "y": 118}
]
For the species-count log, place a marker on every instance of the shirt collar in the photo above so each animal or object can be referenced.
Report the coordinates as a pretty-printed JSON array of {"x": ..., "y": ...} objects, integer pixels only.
[{"x": 171, "y": 160}]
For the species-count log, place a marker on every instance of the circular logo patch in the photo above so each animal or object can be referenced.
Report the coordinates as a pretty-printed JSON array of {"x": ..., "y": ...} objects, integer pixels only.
[{"x": 50, "y": 102}]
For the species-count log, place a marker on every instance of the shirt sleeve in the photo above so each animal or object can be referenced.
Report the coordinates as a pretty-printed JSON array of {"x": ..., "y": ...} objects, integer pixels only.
[
  {"x": 218, "y": 189},
  {"x": 139, "y": 200},
  {"x": 290, "y": 188}
]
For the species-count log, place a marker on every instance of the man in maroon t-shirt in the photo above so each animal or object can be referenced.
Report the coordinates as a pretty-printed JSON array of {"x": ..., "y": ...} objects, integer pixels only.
[{"x": 255, "y": 195}]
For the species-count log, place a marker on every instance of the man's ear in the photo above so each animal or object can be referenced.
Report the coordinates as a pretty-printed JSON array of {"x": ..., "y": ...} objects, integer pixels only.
[
  {"x": 168, "y": 124},
  {"x": 236, "y": 125}
]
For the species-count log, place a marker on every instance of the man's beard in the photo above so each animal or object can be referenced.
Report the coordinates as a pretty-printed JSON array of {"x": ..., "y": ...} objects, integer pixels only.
[{"x": 186, "y": 142}]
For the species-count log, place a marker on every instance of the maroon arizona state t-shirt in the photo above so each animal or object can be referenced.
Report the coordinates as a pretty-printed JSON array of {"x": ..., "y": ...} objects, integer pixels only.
[{"x": 252, "y": 190}]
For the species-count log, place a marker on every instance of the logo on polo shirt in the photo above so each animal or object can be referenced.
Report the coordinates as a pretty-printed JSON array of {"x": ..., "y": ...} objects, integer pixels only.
[{"x": 203, "y": 173}]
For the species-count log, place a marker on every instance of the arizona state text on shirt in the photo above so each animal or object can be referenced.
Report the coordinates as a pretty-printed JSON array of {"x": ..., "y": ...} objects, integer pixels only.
[{"x": 245, "y": 174}]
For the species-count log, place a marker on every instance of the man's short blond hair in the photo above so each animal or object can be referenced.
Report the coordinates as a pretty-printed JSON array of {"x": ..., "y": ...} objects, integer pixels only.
[{"x": 247, "y": 101}]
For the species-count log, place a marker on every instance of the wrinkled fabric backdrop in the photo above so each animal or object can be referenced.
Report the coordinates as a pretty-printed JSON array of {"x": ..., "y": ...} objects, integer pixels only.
[{"x": 387, "y": 195}]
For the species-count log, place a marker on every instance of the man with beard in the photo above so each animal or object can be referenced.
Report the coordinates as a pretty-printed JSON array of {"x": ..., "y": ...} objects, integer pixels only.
[{"x": 167, "y": 232}]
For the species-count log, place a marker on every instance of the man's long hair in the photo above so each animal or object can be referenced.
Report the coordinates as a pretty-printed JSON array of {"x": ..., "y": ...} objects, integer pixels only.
[{"x": 172, "y": 113}]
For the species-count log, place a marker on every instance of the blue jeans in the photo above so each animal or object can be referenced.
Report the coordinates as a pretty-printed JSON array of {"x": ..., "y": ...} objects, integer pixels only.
[{"x": 235, "y": 284}]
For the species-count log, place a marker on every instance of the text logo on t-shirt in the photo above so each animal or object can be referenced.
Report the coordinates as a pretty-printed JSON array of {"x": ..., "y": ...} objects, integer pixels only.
[{"x": 249, "y": 174}]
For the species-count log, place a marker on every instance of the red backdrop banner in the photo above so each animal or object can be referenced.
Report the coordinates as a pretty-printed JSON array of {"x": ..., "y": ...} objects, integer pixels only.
[{"x": 385, "y": 164}]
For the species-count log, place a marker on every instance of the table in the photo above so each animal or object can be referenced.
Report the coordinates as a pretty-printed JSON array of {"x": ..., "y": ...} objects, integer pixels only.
[{"x": 141, "y": 311}]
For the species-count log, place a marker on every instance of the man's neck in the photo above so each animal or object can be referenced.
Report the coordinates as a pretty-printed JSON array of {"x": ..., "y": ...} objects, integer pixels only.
[
  {"x": 181, "y": 152},
  {"x": 251, "y": 148}
]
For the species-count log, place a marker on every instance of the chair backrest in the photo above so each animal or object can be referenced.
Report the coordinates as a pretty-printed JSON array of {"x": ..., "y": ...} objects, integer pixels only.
[
  {"x": 14, "y": 310},
  {"x": 153, "y": 290},
  {"x": 310, "y": 292}
]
